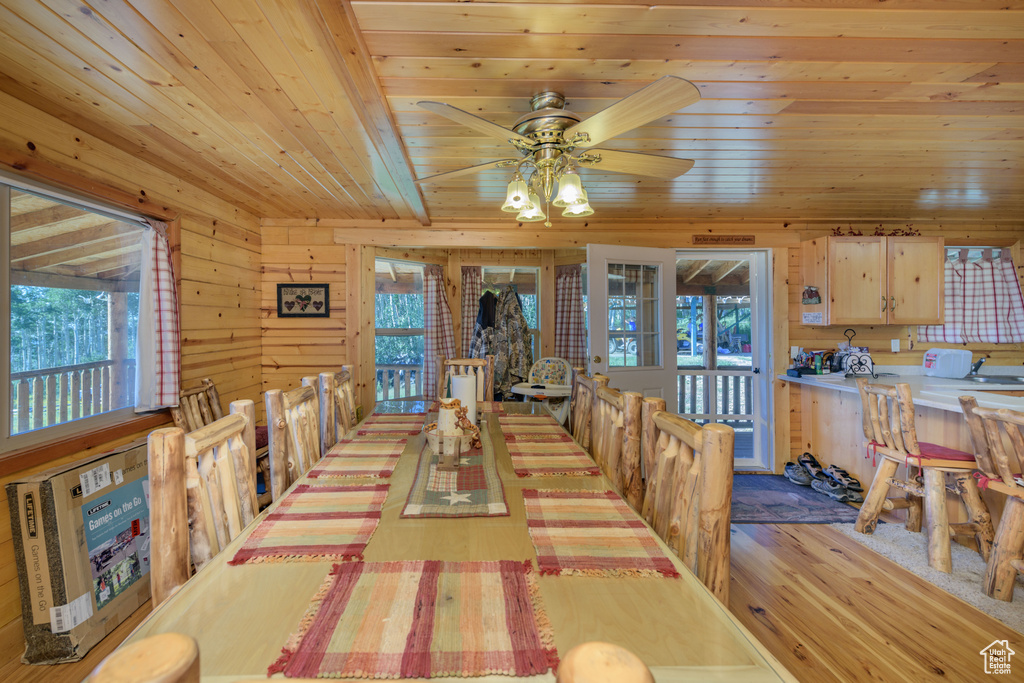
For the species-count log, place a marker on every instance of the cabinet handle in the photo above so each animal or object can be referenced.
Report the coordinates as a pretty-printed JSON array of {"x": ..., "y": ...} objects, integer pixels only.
[
  {"x": 884, "y": 303},
  {"x": 892, "y": 306}
]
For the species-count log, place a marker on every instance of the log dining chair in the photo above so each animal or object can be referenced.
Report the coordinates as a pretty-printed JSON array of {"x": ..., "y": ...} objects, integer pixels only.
[
  {"x": 688, "y": 501},
  {"x": 202, "y": 494},
  {"x": 615, "y": 442},
  {"x": 293, "y": 417},
  {"x": 337, "y": 407},
  {"x": 992, "y": 431},
  {"x": 481, "y": 368},
  {"x": 581, "y": 405},
  {"x": 888, "y": 419}
]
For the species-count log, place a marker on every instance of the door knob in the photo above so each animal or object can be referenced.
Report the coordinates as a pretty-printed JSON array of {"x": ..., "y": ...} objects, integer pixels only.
[{"x": 597, "y": 359}]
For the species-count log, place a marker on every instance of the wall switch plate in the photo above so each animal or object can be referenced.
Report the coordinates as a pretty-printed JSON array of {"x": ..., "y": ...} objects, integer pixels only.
[
  {"x": 794, "y": 351},
  {"x": 895, "y": 345}
]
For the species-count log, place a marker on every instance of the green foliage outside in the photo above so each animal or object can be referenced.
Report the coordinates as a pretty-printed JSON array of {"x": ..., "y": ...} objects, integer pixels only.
[
  {"x": 58, "y": 327},
  {"x": 399, "y": 312}
]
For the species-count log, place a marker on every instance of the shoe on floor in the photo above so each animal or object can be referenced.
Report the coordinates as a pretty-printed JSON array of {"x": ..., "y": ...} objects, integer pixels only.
[
  {"x": 811, "y": 465},
  {"x": 841, "y": 476},
  {"x": 836, "y": 491},
  {"x": 797, "y": 474}
]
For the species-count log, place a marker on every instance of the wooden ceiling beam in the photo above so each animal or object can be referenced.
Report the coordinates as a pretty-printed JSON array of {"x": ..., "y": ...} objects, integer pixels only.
[
  {"x": 692, "y": 270},
  {"x": 74, "y": 239},
  {"x": 74, "y": 253},
  {"x": 723, "y": 270},
  {"x": 90, "y": 284}
]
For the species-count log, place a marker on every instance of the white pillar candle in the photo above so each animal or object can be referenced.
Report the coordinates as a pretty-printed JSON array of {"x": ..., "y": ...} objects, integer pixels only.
[
  {"x": 446, "y": 417},
  {"x": 464, "y": 389}
]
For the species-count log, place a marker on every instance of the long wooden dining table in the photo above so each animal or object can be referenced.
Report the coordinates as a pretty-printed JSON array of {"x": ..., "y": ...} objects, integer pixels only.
[{"x": 242, "y": 615}]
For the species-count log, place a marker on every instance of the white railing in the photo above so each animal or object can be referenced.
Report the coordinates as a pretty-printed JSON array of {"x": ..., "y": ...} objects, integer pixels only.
[
  {"x": 733, "y": 396},
  {"x": 51, "y": 396},
  {"x": 399, "y": 381}
]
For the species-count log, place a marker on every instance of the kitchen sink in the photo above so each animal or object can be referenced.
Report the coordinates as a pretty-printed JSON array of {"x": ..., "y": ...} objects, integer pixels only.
[{"x": 994, "y": 379}]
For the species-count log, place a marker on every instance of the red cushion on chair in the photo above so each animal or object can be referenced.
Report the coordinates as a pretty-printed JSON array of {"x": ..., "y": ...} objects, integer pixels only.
[
  {"x": 262, "y": 437},
  {"x": 934, "y": 451}
]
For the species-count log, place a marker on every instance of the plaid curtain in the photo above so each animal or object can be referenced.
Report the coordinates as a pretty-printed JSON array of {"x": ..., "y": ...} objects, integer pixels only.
[
  {"x": 472, "y": 287},
  {"x": 983, "y": 303},
  {"x": 438, "y": 335},
  {"x": 570, "y": 331},
  {"x": 158, "y": 357}
]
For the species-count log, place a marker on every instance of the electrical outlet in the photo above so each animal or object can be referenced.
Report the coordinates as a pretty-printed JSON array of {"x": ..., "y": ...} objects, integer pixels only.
[{"x": 895, "y": 345}]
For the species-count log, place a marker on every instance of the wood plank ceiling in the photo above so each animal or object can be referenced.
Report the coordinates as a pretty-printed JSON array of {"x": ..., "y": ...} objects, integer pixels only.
[{"x": 829, "y": 111}]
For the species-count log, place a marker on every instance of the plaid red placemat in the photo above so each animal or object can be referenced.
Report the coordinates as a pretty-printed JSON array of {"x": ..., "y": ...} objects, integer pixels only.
[
  {"x": 316, "y": 523},
  {"x": 359, "y": 458},
  {"x": 529, "y": 424},
  {"x": 548, "y": 455},
  {"x": 593, "y": 533},
  {"x": 394, "y": 421},
  {"x": 474, "y": 490},
  {"x": 422, "y": 619}
]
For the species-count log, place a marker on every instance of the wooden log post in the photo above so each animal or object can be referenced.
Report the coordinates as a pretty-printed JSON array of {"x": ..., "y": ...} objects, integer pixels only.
[
  {"x": 939, "y": 551},
  {"x": 328, "y": 412},
  {"x": 245, "y": 460},
  {"x": 277, "y": 436},
  {"x": 648, "y": 451},
  {"x": 170, "y": 566},
  {"x": 1001, "y": 572},
  {"x": 867, "y": 518},
  {"x": 631, "y": 461},
  {"x": 597, "y": 413},
  {"x": 713, "y": 552}
]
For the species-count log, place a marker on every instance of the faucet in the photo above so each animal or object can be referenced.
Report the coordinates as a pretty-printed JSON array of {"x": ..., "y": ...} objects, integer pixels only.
[{"x": 977, "y": 365}]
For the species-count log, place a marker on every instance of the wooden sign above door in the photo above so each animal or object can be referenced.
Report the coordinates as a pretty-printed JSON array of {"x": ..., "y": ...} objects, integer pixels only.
[{"x": 723, "y": 240}]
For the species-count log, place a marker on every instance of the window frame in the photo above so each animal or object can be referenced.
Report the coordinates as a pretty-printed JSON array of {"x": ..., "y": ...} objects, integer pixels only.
[
  {"x": 396, "y": 331},
  {"x": 18, "y": 446}
]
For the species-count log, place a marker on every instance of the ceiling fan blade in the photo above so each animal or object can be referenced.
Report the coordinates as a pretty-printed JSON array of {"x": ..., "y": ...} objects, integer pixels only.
[
  {"x": 473, "y": 121},
  {"x": 661, "y": 98},
  {"x": 497, "y": 163},
  {"x": 636, "y": 163}
]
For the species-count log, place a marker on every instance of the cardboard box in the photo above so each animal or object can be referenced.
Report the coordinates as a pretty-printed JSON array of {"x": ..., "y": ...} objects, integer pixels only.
[{"x": 81, "y": 541}]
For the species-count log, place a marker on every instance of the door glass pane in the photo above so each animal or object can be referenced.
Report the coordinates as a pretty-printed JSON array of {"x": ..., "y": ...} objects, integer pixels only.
[
  {"x": 690, "y": 331},
  {"x": 633, "y": 315},
  {"x": 734, "y": 331}
]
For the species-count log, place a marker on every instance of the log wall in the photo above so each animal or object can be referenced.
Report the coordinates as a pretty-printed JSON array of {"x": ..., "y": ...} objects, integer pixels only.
[{"x": 220, "y": 279}]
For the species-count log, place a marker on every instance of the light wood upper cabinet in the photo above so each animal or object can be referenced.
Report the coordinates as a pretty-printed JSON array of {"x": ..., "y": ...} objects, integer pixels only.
[{"x": 874, "y": 280}]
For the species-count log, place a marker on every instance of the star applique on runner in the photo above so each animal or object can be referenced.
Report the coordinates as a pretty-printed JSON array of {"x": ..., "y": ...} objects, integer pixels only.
[
  {"x": 455, "y": 498},
  {"x": 463, "y": 461}
]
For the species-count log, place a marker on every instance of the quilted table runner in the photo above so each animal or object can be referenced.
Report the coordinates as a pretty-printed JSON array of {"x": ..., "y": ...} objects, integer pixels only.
[
  {"x": 375, "y": 458},
  {"x": 422, "y": 619},
  {"x": 316, "y": 523},
  {"x": 474, "y": 490},
  {"x": 547, "y": 454},
  {"x": 592, "y": 533}
]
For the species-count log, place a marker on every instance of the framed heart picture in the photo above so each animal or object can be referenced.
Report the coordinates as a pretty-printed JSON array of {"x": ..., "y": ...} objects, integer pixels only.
[{"x": 303, "y": 301}]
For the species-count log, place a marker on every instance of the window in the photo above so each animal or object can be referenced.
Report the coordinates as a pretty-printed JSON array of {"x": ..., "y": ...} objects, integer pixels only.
[
  {"x": 71, "y": 314},
  {"x": 524, "y": 281},
  {"x": 398, "y": 342}
]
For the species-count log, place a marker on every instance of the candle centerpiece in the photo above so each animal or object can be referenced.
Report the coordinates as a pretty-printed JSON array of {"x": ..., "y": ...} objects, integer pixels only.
[{"x": 451, "y": 434}]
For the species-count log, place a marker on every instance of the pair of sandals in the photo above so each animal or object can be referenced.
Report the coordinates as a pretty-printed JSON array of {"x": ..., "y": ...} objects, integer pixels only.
[{"x": 834, "y": 482}]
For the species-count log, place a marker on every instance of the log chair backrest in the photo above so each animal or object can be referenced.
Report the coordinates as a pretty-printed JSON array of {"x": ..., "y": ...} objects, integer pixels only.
[
  {"x": 581, "y": 405},
  {"x": 615, "y": 442},
  {"x": 887, "y": 415},
  {"x": 293, "y": 419},
  {"x": 197, "y": 407},
  {"x": 991, "y": 430},
  {"x": 689, "y": 493},
  {"x": 337, "y": 407},
  {"x": 480, "y": 368},
  {"x": 202, "y": 485}
]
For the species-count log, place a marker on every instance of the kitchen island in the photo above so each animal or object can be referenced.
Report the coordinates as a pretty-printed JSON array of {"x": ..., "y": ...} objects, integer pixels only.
[{"x": 827, "y": 419}]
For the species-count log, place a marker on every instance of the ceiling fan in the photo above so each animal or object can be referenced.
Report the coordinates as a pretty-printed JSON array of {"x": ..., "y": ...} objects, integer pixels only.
[{"x": 553, "y": 141}]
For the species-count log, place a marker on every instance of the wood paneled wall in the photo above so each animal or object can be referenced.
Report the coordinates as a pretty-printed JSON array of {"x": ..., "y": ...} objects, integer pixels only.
[{"x": 220, "y": 251}]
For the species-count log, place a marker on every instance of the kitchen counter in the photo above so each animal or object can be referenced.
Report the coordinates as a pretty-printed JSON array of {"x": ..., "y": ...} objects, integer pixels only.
[{"x": 930, "y": 392}]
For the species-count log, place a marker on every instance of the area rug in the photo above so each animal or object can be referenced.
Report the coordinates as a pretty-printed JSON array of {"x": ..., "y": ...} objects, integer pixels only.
[
  {"x": 773, "y": 499},
  {"x": 591, "y": 533},
  {"x": 910, "y": 551},
  {"x": 371, "y": 458},
  {"x": 474, "y": 490},
  {"x": 316, "y": 523},
  {"x": 549, "y": 455},
  {"x": 422, "y": 619}
]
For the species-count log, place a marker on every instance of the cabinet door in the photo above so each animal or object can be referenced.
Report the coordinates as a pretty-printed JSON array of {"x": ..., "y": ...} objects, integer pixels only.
[
  {"x": 856, "y": 281},
  {"x": 916, "y": 280}
]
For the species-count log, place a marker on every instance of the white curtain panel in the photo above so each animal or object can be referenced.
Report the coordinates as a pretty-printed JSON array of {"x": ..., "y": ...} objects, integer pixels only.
[{"x": 158, "y": 355}]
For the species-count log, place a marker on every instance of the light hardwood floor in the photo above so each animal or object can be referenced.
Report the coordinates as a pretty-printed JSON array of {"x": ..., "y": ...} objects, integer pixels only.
[{"x": 827, "y": 607}]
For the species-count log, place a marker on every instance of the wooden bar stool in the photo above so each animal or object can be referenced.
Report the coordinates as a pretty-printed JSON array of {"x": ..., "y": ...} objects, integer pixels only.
[
  {"x": 889, "y": 425},
  {"x": 991, "y": 430}
]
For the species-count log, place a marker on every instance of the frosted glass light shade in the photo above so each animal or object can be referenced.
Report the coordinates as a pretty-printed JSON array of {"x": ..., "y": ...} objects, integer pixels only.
[
  {"x": 534, "y": 214},
  {"x": 516, "y": 197},
  {"x": 570, "y": 189},
  {"x": 579, "y": 210}
]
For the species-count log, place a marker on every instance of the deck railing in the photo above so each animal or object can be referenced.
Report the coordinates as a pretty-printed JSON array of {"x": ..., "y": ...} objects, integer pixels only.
[
  {"x": 51, "y": 396},
  {"x": 734, "y": 396},
  {"x": 399, "y": 381}
]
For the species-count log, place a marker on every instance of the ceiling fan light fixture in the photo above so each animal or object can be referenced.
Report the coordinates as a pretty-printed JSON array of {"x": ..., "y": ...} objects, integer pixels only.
[
  {"x": 533, "y": 214},
  {"x": 570, "y": 189},
  {"x": 580, "y": 209},
  {"x": 516, "y": 196}
]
